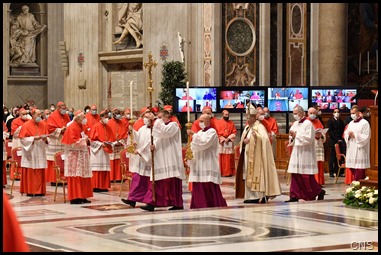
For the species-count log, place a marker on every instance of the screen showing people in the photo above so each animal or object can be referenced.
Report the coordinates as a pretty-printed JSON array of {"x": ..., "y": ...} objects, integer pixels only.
[
  {"x": 330, "y": 99},
  {"x": 285, "y": 99},
  {"x": 235, "y": 99},
  {"x": 198, "y": 99}
]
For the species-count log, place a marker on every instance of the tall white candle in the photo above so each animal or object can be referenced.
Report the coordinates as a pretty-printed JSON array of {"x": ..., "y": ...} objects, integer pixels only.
[
  {"x": 368, "y": 61},
  {"x": 188, "y": 110},
  {"x": 131, "y": 96},
  {"x": 360, "y": 64}
]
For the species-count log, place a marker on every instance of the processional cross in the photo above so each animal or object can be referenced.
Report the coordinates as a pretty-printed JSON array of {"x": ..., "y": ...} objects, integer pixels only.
[{"x": 151, "y": 63}]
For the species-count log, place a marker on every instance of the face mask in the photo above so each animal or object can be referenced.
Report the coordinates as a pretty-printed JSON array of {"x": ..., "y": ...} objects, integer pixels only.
[
  {"x": 128, "y": 116},
  {"x": 93, "y": 112},
  {"x": 63, "y": 111},
  {"x": 353, "y": 116},
  {"x": 52, "y": 109},
  {"x": 202, "y": 125},
  {"x": 117, "y": 117},
  {"x": 23, "y": 117},
  {"x": 146, "y": 121},
  {"x": 296, "y": 117},
  {"x": 109, "y": 114},
  {"x": 336, "y": 114},
  {"x": 226, "y": 118},
  {"x": 312, "y": 116},
  {"x": 84, "y": 121},
  {"x": 71, "y": 113},
  {"x": 87, "y": 110},
  {"x": 46, "y": 116},
  {"x": 319, "y": 113},
  {"x": 105, "y": 120},
  {"x": 38, "y": 119},
  {"x": 367, "y": 114},
  {"x": 267, "y": 115},
  {"x": 261, "y": 117},
  {"x": 5, "y": 113}
]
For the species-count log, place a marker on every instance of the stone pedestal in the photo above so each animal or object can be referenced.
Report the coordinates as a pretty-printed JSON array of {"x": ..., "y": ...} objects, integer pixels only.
[{"x": 25, "y": 70}]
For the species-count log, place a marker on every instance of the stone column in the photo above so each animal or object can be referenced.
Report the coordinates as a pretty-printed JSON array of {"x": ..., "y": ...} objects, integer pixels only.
[
  {"x": 264, "y": 45},
  {"x": 333, "y": 43}
]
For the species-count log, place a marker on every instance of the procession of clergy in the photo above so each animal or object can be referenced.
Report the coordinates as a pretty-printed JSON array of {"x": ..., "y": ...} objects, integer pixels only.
[{"x": 92, "y": 143}]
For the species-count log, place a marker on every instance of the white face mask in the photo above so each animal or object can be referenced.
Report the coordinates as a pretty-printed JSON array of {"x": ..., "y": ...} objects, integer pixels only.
[
  {"x": 46, "y": 116},
  {"x": 261, "y": 117},
  {"x": 312, "y": 116},
  {"x": 336, "y": 114},
  {"x": 84, "y": 121},
  {"x": 296, "y": 117},
  {"x": 319, "y": 113},
  {"x": 202, "y": 125},
  {"x": 267, "y": 115},
  {"x": 353, "y": 116},
  {"x": 105, "y": 120},
  {"x": 146, "y": 121},
  {"x": 38, "y": 119},
  {"x": 52, "y": 109},
  {"x": 23, "y": 117},
  {"x": 128, "y": 116}
]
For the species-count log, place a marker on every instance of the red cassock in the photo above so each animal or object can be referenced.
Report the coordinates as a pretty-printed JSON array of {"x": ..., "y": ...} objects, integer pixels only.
[
  {"x": 13, "y": 238},
  {"x": 227, "y": 162},
  {"x": 319, "y": 177},
  {"x": 33, "y": 180},
  {"x": 78, "y": 187},
  {"x": 120, "y": 131},
  {"x": 55, "y": 120}
]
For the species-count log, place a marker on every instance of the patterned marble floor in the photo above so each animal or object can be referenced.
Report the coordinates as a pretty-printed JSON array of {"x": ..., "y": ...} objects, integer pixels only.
[{"x": 108, "y": 225}]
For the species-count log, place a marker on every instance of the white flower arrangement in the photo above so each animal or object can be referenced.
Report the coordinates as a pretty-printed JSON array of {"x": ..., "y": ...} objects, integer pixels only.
[{"x": 362, "y": 197}]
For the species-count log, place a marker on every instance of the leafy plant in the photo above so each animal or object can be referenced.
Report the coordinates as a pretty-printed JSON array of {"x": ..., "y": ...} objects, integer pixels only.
[
  {"x": 362, "y": 197},
  {"x": 174, "y": 76}
]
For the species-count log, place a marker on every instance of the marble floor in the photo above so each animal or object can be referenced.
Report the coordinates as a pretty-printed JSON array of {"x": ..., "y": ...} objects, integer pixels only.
[{"x": 108, "y": 225}]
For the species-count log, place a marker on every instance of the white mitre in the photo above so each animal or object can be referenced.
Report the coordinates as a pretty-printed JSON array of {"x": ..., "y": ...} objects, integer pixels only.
[{"x": 251, "y": 110}]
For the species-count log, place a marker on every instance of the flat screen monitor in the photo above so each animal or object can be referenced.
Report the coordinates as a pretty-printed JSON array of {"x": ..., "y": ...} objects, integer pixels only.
[
  {"x": 235, "y": 99},
  {"x": 297, "y": 96},
  {"x": 199, "y": 97},
  {"x": 284, "y": 99},
  {"x": 331, "y": 98}
]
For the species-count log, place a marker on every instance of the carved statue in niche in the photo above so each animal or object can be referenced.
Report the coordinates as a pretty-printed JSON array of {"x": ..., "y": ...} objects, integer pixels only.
[
  {"x": 130, "y": 19},
  {"x": 24, "y": 30}
]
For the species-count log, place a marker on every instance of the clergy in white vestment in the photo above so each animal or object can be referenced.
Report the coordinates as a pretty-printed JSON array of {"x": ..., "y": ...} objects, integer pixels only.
[
  {"x": 33, "y": 139},
  {"x": 205, "y": 174},
  {"x": 357, "y": 138},
  {"x": 140, "y": 162},
  {"x": 168, "y": 165},
  {"x": 303, "y": 164},
  {"x": 260, "y": 176}
]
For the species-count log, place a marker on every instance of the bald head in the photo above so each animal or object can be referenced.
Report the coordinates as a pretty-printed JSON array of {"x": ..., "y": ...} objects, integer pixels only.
[{"x": 205, "y": 118}]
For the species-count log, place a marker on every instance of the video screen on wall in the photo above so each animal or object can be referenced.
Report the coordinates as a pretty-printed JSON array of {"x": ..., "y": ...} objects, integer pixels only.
[
  {"x": 198, "y": 99},
  {"x": 329, "y": 99},
  {"x": 234, "y": 99},
  {"x": 284, "y": 99}
]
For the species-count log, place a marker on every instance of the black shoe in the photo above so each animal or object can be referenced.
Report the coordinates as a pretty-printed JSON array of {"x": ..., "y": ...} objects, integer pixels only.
[
  {"x": 342, "y": 175},
  {"x": 175, "y": 208},
  {"x": 321, "y": 195},
  {"x": 103, "y": 190},
  {"x": 292, "y": 199},
  {"x": 332, "y": 175},
  {"x": 251, "y": 201},
  {"x": 148, "y": 207},
  {"x": 129, "y": 202},
  {"x": 52, "y": 184},
  {"x": 96, "y": 190},
  {"x": 76, "y": 201},
  {"x": 84, "y": 200},
  {"x": 30, "y": 195}
]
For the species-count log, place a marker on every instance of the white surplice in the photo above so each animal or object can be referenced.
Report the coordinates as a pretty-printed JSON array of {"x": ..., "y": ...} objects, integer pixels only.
[
  {"x": 204, "y": 167},
  {"x": 358, "y": 148},
  {"x": 99, "y": 159},
  {"x": 33, "y": 153},
  {"x": 168, "y": 160},
  {"x": 303, "y": 156},
  {"x": 141, "y": 163}
]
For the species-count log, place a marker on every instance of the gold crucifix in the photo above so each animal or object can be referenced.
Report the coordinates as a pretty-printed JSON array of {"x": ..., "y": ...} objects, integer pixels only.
[
  {"x": 149, "y": 64},
  {"x": 256, "y": 182}
]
